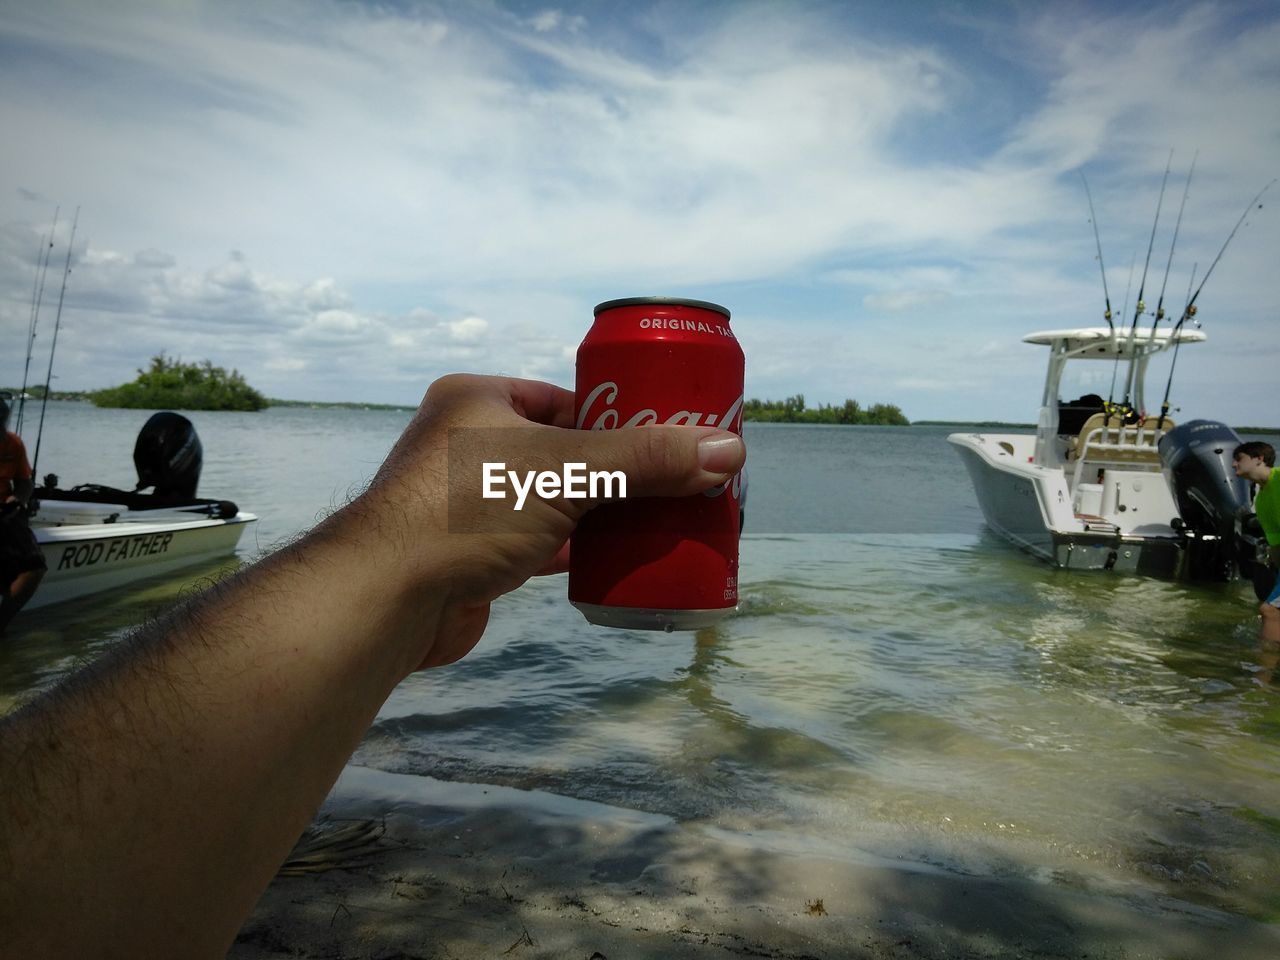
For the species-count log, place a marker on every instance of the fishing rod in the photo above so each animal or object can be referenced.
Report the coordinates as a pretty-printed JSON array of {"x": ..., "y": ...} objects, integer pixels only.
[
  {"x": 57, "y": 323},
  {"x": 1176, "y": 227},
  {"x": 1142, "y": 286},
  {"x": 31, "y": 325},
  {"x": 1093, "y": 219},
  {"x": 43, "y": 255},
  {"x": 1190, "y": 283},
  {"x": 1189, "y": 310},
  {"x": 1115, "y": 366},
  {"x": 1164, "y": 405}
]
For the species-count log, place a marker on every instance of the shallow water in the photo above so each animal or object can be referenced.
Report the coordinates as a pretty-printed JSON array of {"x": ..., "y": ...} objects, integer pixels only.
[{"x": 896, "y": 682}]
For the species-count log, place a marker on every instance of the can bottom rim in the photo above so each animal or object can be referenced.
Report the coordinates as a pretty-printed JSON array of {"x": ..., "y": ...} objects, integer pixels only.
[{"x": 645, "y": 618}]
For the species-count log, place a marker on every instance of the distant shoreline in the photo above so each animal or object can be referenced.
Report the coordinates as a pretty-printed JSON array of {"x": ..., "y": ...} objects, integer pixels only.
[
  {"x": 985, "y": 424},
  {"x": 337, "y": 405},
  {"x": 83, "y": 396},
  {"x": 990, "y": 424}
]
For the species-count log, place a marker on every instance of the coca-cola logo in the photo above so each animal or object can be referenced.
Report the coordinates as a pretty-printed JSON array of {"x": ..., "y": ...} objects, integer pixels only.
[
  {"x": 598, "y": 412},
  {"x": 600, "y": 402}
]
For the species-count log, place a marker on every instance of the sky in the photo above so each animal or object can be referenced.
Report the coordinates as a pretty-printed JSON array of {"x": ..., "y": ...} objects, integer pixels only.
[{"x": 346, "y": 200}]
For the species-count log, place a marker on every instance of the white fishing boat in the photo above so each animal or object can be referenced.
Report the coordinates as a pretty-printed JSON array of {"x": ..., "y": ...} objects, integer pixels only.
[
  {"x": 115, "y": 549},
  {"x": 1099, "y": 486},
  {"x": 96, "y": 538}
]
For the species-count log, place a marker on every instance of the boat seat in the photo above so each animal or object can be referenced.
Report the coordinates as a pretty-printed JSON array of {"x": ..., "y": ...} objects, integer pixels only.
[
  {"x": 1073, "y": 414},
  {"x": 1107, "y": 437}
]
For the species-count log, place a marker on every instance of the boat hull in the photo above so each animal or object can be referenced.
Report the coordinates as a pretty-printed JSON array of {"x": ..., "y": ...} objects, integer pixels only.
[
  {"x": 1010, "y": 504},
  {"x": 86, "y": 558},
  {"x": 1161, "y": 557},
  {"x": 1029, "y": 507}
]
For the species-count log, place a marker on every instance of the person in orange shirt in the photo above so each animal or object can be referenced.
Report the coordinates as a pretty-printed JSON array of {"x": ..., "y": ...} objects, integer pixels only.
[{"x": 22, "y": 565}]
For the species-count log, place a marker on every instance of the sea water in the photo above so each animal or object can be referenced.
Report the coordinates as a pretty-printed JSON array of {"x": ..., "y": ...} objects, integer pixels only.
[{"x": 896, "y": 683}]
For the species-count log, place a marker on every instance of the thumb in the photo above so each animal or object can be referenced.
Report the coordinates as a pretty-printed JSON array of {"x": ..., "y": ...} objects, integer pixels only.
[{"x": 666, "y": 461}]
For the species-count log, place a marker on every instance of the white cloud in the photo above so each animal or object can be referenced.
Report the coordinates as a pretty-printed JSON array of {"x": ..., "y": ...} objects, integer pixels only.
[
  {"x": 549, "y": 21},
  {"x": 905, "y": 301},
  {"x": 469, "y": 329},
  {"x": 414, "y": 187}
]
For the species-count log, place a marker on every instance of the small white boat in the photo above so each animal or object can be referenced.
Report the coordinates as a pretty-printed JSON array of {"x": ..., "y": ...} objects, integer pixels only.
[
  {"x": 91, "y": 547},
  {"x": 96, "y": 538},
  {"x": 1098, "y": 488}
]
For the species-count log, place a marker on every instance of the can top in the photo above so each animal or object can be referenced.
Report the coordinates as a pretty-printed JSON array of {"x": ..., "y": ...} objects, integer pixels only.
[{"x": 662, "y": 302}]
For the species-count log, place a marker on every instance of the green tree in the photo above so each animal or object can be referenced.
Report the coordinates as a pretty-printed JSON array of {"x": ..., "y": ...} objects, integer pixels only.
[
  {"x": 887, "y": 414},
  {"x": 793, "y": 410},
  {"x": 172, "y": 384}
]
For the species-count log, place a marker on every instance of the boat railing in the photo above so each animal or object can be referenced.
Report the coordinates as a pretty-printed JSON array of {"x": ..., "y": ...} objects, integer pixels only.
[{"x": 1127, "y": 444}]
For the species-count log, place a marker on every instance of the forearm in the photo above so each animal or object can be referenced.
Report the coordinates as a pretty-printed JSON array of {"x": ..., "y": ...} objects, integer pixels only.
[
  {"x": 173, "y": 779},
  {"x": 145, "y": 805}
]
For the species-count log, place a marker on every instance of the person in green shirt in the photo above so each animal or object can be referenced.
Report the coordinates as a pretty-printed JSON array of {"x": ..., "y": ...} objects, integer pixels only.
[{"x": 1256, "y": 462}]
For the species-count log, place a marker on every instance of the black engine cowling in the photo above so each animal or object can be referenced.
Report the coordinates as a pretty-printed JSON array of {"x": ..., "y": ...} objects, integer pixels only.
[
  {"x": 168, "y": 456},
  {"x": 1210, "y": 495},
  {"x": 1214, "y": 503}
]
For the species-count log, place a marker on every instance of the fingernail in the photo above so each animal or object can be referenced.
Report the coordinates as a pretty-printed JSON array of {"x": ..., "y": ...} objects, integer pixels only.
[{"x": 720, "y": 454}]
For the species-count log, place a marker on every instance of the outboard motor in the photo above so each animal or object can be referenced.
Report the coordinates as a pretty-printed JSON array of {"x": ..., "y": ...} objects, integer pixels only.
[
  {"x": 168, "y": 456},
  {"x": 1214, "y": 503}
]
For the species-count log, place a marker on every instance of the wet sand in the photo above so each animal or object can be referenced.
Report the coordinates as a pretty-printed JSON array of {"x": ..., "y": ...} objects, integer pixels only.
[{"x": 408, "y": 867}]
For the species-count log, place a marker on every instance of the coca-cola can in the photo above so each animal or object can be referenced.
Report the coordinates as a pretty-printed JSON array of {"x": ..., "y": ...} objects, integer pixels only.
[{"x": 659, "y": 563}]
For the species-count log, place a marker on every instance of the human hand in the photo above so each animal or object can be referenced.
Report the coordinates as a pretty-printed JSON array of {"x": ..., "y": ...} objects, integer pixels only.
[{"x": 457, "y": 551}]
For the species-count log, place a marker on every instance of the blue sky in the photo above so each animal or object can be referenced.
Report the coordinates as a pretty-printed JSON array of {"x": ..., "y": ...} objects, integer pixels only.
[{"x": 346, "y": 200}]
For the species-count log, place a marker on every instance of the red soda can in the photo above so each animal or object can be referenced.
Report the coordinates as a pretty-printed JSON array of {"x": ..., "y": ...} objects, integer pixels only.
[{"x": 658, "y": 563}]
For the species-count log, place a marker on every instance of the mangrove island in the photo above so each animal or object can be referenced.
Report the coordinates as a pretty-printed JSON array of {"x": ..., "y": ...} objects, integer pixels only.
[{"x": 173, "y": 385}]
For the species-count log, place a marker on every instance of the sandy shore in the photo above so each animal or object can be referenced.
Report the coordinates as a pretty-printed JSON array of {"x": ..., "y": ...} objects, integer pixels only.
[{"x": 409, "y": 867}]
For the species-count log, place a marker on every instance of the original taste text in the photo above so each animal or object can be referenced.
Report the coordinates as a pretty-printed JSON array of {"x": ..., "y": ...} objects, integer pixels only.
[{"x": 691, "y": 326}]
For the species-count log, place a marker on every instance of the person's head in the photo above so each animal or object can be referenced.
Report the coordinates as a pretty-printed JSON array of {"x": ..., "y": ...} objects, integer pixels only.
[{"x": 1254, "y": 456}]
